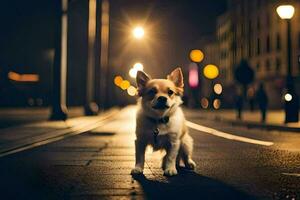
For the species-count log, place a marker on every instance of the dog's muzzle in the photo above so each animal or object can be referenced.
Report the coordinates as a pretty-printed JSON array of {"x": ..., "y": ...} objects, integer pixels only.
[{"x": 161, "y": 103}]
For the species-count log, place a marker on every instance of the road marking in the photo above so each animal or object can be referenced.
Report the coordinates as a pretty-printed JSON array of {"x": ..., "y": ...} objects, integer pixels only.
[
  {"x": 291, "y": 174},
  {"x": 227, "y": 135}
]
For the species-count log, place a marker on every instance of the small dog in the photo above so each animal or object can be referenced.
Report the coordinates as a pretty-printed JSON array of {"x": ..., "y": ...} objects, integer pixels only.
[{"x": 160, "y": 122}]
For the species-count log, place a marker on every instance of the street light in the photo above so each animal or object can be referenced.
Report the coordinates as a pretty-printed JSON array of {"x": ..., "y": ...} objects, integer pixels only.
[
  {"x": 138, "y": 32},
  {"x": 286, "y": 12}
]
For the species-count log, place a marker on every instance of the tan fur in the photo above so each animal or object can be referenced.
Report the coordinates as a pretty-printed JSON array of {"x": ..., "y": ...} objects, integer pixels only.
[{"x": 173, "y": 136}]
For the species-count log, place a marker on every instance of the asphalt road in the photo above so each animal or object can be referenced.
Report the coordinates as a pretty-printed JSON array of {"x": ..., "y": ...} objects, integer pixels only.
[{"x": 232, "y": 163}]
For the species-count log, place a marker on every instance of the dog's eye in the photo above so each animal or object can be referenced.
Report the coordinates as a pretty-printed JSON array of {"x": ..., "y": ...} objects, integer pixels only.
[
  {"x": 152, "y": 91},
  {"x": 170, "y": 92}
]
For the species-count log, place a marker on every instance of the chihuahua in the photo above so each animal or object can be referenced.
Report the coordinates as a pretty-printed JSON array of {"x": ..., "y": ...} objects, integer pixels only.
[{"x": 160, "y": 122}]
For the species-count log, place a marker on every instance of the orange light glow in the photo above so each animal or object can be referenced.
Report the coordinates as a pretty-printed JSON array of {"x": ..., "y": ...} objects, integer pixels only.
[
  {"x": 118, "y": 80},
  {"x": 23, "y": 77},
  {"x": 217, "y": 104},
  {"x": 204, "y": 103},
  {"x": 211, "y": 71},
  {"x": 196, "y": 55},
  {"x": 138, "y": 32},
  {"x": 125, "y": 84}
]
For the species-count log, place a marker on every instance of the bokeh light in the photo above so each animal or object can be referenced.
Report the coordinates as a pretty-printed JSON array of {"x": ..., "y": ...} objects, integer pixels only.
[
  {"x": 118, "y": 80},
  {"x": 211, "y": 71},
  {"x": 217, "y": 104},
  {"x": 138, "y": 32},
  {"x": 138, "y": 66},
  {"x": 218, "y": 88},
  {"x": 288, "y": 97},
  {"x": 125, "y": 84},
  {"x": 131, "y": 90},
  {"x": 132, "y": 73},
  {"x": 196, "y": 55},
  {"x": 204, "y": 103},
  {"x": 193, "y": 76}
]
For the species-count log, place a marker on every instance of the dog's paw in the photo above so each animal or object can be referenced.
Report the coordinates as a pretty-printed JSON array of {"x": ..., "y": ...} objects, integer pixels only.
[
  {"x": 170, "y": 172},
  {"x": 136, "y": 170},
  {"x": 190, "y": 164}
]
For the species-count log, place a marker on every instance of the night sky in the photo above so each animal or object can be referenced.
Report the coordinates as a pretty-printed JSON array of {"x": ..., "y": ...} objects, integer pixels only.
[{"x": 172, "y": 27}]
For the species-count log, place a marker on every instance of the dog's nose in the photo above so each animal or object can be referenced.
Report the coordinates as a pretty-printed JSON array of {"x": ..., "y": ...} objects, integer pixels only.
[{"x": 162, "y": 99}]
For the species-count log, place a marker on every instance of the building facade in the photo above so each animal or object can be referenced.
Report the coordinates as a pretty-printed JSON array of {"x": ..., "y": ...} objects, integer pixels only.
[{"x": 252, "y": 30}]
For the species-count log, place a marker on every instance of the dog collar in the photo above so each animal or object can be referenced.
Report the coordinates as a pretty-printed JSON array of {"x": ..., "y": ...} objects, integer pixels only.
[{"x": 163, "y": 120}]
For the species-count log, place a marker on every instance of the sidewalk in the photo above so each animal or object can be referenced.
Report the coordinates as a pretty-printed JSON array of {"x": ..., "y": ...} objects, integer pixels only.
[
  {"x": 26, "y": 136},
  {"x": 18, "y": 116},
  {"x": 274, "y": 121}
]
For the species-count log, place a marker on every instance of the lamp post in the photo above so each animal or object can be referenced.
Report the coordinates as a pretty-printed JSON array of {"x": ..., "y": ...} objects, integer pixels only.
[
  {"x": 286, "y": 12},
  {"x": 59, "y": 108}
]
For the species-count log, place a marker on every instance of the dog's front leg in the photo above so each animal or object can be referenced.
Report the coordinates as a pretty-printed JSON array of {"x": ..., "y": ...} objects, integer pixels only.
[
  {"x": 140, "y": 148},
  {"x": 170, "y": 160}
]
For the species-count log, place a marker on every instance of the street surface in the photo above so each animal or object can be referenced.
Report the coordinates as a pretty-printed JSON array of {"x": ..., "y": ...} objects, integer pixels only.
[{"x": 232, "y": 163}]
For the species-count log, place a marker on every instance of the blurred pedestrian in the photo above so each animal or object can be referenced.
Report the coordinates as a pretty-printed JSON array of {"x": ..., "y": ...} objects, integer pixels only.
[
  {"x": 251, "y": 98},
  {"x": 239, "y": 101},
  {"x": 262, "y": 100}
]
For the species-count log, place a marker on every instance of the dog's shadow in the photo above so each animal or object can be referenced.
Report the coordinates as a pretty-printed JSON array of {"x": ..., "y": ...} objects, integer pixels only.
[{"x": 188, "y": 185}]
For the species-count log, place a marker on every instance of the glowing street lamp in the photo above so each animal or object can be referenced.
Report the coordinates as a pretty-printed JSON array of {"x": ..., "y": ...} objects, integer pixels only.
[
  {"x": 138, "y": 32},
  {"x": 286, "y": 12}
]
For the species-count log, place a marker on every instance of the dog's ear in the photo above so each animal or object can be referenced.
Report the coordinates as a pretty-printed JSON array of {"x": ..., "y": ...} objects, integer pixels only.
[
  {"x": 176, "y": 77},
  {"x": 141, "y": 80}
]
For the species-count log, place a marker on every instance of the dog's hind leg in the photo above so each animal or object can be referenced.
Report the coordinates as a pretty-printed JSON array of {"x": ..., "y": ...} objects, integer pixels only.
[
  {"x": 186, "y": 149},
  {"x": 179, "y": 158}
]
